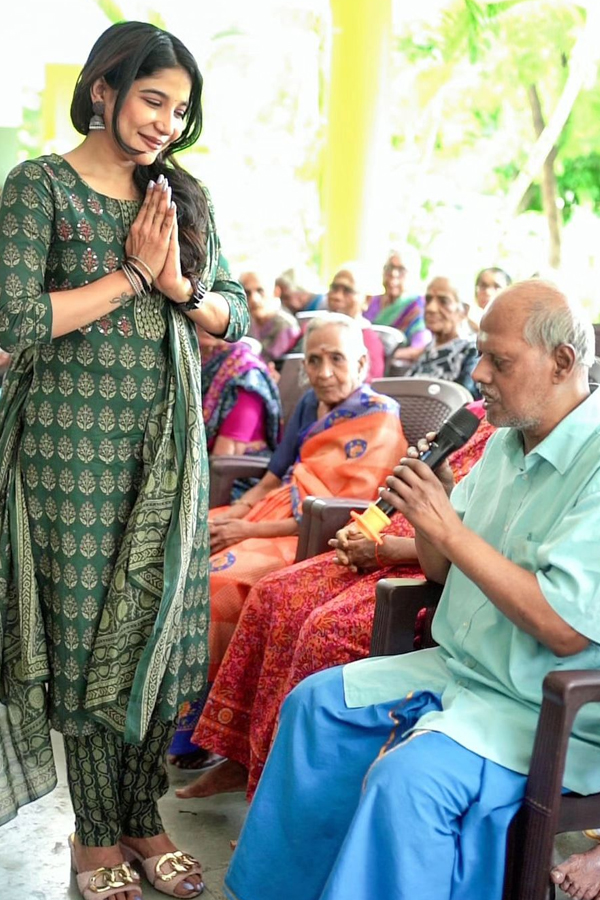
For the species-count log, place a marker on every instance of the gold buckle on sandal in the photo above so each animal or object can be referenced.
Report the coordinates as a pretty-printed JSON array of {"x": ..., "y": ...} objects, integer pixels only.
[
  {"x": 179, "y": 862},
  {"x": 106, "y": 878}
]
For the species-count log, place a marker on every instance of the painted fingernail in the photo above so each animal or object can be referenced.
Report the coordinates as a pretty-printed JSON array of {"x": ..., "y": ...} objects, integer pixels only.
[
  {"x": 172, "y": 204},
  {"x": 189, "y": 886},
  {"x": 165, "y": 185},
  {"x": 151, "y": 185},
  {"x": 160, "y": 179}
]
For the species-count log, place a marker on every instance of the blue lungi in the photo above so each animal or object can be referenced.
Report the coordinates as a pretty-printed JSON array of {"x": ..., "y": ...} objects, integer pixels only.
[{"x": 348, "y": 807}]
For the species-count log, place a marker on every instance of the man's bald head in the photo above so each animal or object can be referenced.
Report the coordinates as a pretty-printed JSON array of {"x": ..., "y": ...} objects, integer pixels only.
[
  {"x": 540, "y": 314},
  {"x": 535, "y": 347}
]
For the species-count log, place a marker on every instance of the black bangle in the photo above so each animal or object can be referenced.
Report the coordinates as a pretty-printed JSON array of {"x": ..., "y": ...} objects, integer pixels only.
[
  {"x": 198, "y": 293},
  {"x": 140, "y": 274}
]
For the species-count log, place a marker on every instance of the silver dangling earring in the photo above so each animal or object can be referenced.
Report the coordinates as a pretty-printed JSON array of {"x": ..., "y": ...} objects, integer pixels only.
[{"x": 97, "y": 120}]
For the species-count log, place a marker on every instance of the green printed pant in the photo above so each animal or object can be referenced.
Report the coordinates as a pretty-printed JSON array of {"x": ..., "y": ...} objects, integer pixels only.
[{"x": 114, "y": 786}]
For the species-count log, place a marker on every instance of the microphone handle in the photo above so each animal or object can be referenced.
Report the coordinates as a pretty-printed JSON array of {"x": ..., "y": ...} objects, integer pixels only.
[
  {"x": 437, "y": 453},
  {"x": 453, "y": 435},
  {"x": 433, "y": 457}
]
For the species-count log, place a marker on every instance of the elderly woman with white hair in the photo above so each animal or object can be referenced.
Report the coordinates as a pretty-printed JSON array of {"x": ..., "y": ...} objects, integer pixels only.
[
  {"x": 341, "y": 441},
  {"x": 449, "y": 356}
]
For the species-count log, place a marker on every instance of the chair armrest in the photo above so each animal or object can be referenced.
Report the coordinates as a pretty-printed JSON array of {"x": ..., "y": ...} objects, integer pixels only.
[
  {"x": 398, "y": 600},
  {"x": 395, "y": 368},
  {"x": 564, "y": 693},
  {"x": 326, "y": 515},
  {"x": 304, "y": 530},
  {"x": 224, "y": 470},
  {"x": 546, "y": 811}
]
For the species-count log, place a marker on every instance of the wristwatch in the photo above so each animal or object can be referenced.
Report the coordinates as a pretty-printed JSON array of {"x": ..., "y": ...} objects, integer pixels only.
[{"x": 198, "y": 293}]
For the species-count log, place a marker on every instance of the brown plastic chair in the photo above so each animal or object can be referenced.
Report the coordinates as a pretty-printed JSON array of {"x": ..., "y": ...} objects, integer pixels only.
[
  {"x": 291, "y": 384},
  {"x": 425, "y": 403},
  {"x": 224, "y": 470},
  {"x": 321, "y": 518},
  {"x": 390, "y": 337},
  {"x": 546, "y": 811}
]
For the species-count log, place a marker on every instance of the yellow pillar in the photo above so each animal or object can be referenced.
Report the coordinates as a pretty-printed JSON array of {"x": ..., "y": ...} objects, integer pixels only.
[
  {"x": 59, "y": 134},
  {"x": 357, "y": 152}
]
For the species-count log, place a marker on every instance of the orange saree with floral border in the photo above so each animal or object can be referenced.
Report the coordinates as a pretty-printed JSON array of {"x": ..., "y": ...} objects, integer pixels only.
[{"x": 346, "y": 453}]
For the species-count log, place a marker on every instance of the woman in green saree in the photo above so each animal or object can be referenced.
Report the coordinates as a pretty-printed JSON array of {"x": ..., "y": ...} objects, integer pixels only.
[
  {"x": 398, "y": 309},
  {"x": 109, "y": 258}
]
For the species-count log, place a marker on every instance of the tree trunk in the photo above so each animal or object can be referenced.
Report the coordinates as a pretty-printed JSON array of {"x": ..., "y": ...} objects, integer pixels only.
[
  {"x": 583, "y": 60},
  {"x": 548, "y": 180}
]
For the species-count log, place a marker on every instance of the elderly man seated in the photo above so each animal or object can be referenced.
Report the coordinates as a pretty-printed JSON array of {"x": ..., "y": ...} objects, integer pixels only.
[{"x": 398, "y": 777}]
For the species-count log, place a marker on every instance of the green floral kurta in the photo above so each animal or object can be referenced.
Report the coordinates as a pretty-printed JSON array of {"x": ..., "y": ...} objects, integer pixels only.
[{"x": 103, "y": 481}]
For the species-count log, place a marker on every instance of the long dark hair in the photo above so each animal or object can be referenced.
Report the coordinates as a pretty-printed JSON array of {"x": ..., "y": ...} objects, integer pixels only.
[{"x": 124, "y": 53}]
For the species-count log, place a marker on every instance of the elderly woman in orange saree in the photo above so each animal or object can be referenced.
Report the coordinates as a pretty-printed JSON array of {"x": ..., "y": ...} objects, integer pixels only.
[
  {"x": 315, "y": 615},
  {"x": 341, "y": 441}
]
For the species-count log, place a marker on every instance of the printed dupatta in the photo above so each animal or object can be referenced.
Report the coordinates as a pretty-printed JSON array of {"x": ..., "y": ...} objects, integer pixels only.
[{"x": 151, "y": 560}]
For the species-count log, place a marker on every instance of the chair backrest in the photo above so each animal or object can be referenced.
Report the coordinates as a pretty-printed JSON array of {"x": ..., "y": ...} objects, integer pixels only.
[
  {"x": 254, "y": 344},
  {"x": 425, "y": 403},
  {"x": 390, "y": 337},
  {"x": 290, "y": 385}
]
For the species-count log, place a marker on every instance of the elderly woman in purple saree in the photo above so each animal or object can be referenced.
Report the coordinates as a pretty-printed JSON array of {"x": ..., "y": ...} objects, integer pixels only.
[{"x": 240, "y": 400}]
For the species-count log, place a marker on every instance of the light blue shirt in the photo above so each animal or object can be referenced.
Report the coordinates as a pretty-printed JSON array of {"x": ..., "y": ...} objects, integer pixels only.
[{"x": 542, "y": 511}]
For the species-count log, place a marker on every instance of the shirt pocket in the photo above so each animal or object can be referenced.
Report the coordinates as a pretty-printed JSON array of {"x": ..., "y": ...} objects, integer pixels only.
[{"x": 524, "y": 551}]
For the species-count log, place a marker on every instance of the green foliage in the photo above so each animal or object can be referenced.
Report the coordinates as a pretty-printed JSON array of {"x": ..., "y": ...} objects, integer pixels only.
[
  {"x": 155, "y": 18},
  {"x": 112, "y": 11},
  {"x": 579, "y": 183}
]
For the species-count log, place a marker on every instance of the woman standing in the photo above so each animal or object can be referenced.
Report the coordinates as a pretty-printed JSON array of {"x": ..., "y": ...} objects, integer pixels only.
[{"x": 109, "y": 259}]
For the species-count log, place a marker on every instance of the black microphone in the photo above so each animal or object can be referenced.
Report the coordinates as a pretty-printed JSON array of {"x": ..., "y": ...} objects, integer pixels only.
[{"x": 454, "y": 433}]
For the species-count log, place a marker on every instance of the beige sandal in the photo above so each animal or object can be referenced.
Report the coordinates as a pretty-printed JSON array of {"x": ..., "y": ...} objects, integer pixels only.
[
  {"x": 105, "y": 882},
  {"x": 166, "y": 871}
]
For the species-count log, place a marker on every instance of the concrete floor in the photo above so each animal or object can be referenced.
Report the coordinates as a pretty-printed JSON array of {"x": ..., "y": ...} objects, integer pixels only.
[{"x": 202, "y": 827}]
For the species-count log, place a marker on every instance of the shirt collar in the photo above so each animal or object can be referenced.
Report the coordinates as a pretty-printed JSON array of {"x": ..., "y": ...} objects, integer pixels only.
[{"x": 564, "y": 442}]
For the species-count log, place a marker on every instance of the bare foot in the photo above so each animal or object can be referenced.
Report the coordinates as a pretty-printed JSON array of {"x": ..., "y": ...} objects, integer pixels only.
[
  {"x": 190, "y": 886},
  {"x": 225, "y": 777},
  {"x": 88, "y": 859},
  {"x": 579, "y": 875}
]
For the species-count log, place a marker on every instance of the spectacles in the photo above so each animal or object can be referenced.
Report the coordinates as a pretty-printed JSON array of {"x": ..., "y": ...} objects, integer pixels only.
[{"x": 339, "y": 286}]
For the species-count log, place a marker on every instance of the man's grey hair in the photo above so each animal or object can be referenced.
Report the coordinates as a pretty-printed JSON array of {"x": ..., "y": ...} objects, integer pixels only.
[
  {"x": 353, "y": 338},
  {"x": 548, "y": 328}
]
